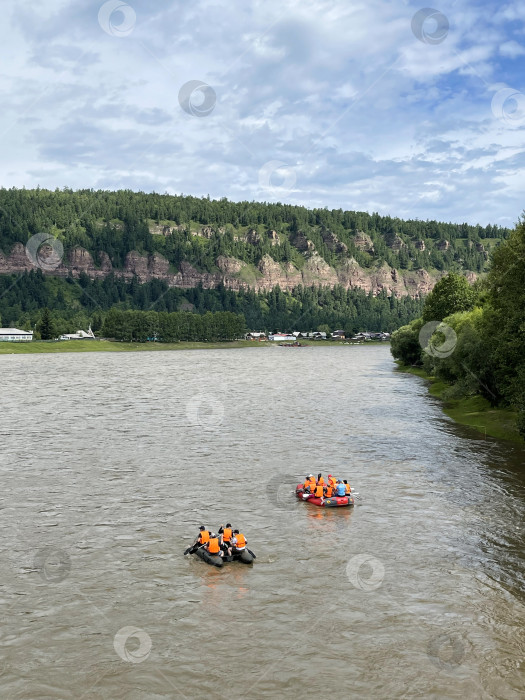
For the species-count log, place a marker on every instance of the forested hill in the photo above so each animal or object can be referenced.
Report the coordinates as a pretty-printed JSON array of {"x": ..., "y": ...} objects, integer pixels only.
[{"x": 186, "y": 241}]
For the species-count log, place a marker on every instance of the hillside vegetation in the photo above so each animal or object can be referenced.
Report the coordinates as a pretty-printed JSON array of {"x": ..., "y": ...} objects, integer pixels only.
[
  {"x": 472, "y": 339},
  {"x": 198, "y": 231}
]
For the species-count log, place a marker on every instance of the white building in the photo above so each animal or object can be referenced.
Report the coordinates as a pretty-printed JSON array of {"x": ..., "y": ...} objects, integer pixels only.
[
  {"x": 281, "y": 337},
  {"x": 79, "y": 335},
  {"x": 14, "y": 335}
]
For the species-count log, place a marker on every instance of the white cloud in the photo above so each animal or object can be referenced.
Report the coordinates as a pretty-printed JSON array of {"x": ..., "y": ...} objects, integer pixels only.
[
  {"x": 371, "y": 117},
  {"x": 512, "y": 49}
]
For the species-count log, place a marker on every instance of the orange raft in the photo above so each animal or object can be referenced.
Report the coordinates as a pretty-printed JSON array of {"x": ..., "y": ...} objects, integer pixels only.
[{"x": 331, "y": 502}]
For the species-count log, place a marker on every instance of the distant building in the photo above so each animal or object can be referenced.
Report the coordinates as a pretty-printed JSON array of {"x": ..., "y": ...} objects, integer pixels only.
[
  {"x": 281, "y": 336},
  {"x": 255, "y": 336},
  {"x": 14, "y": 335},
  {"x": 339, "y": 334},
  {"x": 79, "y": 335},
  {"x": 314, "y": 335}
]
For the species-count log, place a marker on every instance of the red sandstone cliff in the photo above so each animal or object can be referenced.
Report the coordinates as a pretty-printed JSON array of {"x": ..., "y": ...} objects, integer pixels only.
[{"x": 234, "y": 274}]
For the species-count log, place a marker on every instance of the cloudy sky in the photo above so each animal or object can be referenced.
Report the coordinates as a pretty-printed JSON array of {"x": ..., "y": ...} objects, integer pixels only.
[{"x": 373, "y": 105}]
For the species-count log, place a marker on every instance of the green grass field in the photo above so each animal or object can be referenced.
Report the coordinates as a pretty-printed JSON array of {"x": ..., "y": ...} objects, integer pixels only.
[
  {"x": 38, "y": 346},
  {"x": 474, "y": 411}
]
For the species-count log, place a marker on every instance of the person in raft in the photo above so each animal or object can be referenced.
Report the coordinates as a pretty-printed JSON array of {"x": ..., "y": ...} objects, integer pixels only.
[
  {"x": 309, "y": 484},
  {"x": 319, "y": 491},
  {"x": 340, "y": 489},
  {"x": 328, "y": 490},
  {"x": 213, "y": 546},
  {"x": 239, "y": 541},
  {"x": 348, "y": 488},
  {"x": 226, "y": 534},
  {"x": 201, "y": 541},
  {"x": 203, "y": 537},
  {"x": 320, "y": 479}
]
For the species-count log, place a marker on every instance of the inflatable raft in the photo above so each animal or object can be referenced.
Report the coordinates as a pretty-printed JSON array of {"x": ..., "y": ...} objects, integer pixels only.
[
  {"x": 246, "y": 557},
  {"x": 331, "y": 502}
]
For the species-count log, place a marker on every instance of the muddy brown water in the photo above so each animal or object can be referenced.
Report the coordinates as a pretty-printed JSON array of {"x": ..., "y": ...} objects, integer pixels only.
[{"x": 109, "y": 464}]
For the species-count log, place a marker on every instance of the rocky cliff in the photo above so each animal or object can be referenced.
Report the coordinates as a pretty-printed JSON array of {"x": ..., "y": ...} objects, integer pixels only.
[{"x": 234, "y": 273}]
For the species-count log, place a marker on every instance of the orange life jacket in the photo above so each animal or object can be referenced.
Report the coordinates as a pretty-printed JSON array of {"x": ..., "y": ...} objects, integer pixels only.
[
  {"x": 329, "y": 491},
  {"x": 241, "y": 541},
  {"x": 347, "y": 489},
  {"x": 321, "y": 481},
  {"x": 213, "y": 546},
  {"x": 306, "y": 484},
  {"x": 204, "y": 536},
  {"x": 227, "y": 534},
  {"x": 332, "y": 481},
  {"x": 319, "y": 491}
]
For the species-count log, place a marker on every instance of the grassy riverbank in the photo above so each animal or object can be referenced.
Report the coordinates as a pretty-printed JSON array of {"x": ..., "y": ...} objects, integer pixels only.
[
  {"x": 39, "y": 346},
  {"x": 474, "y": 411}
]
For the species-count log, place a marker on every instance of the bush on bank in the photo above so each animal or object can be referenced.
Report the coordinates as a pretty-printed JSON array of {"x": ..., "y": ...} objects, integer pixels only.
[{"x": 478, "y": 346}]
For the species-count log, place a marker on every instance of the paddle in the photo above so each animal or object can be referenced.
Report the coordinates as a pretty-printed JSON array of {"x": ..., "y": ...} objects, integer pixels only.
[
  {"x": 193, "y": 548},
  {"x": 253, "y": 555}
]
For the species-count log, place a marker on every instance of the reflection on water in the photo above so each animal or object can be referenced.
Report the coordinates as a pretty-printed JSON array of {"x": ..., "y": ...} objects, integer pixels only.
[{"x": 110, "y": 464}]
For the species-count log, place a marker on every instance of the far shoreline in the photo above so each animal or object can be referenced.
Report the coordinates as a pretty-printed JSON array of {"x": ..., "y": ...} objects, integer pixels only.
[{"x": 50, "y": 347}]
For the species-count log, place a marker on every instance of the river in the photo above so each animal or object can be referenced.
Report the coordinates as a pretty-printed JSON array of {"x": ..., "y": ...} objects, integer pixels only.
[{"x": 110, "y": 462}]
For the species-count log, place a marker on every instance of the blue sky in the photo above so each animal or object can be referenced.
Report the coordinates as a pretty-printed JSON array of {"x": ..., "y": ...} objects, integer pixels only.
[{"x": 372, "y": 105}]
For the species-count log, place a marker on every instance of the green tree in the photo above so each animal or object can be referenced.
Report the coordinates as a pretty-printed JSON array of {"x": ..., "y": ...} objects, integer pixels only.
[
  {"x": 405, "y": 345},
  {"x": 46, "y": 327},
  {"x": 505, "y": 320},
  {"x": 451, "y": 294}
]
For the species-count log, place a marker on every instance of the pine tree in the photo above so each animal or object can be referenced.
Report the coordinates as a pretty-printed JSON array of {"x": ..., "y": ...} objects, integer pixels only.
[{"x": 46, "y": 326}]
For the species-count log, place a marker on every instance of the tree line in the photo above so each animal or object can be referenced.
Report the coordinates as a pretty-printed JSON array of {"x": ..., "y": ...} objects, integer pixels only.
[
  {"x": 78, "y": 303},
  {"x": 165, "y": 327},
  {"x": 473, "y": 338}
]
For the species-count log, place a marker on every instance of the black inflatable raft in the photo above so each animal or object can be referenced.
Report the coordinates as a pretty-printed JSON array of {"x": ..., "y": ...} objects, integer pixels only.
[{"x": 246, "y": 557}]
